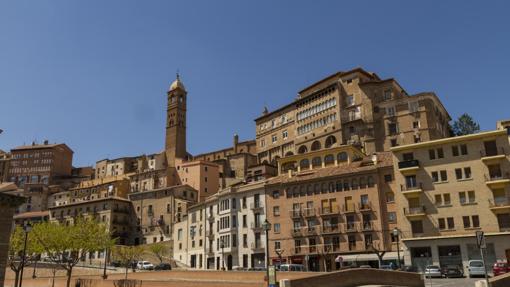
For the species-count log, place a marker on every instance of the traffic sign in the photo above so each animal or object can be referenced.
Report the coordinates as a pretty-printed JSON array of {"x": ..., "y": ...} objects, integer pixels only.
[{"x": 480, "y": 240}]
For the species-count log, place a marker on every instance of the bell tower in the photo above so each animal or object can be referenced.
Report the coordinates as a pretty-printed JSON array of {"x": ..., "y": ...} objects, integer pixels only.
[{"x": 175, "y": 141}]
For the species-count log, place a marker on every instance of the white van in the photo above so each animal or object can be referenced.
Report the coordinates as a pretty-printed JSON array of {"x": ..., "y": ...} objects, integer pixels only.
[
  {"x": 292, "y": 267},
  {"x": 476, "y": 268}
]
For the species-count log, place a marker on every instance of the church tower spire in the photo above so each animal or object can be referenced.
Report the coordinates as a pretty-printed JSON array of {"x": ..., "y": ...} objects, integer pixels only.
[{"x": 175, "y": 141}]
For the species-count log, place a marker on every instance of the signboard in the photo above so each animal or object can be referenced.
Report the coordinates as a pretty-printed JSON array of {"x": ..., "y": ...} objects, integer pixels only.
[
  {"x": 480, "y": 240},
  {"x": 272, "y": 276}
]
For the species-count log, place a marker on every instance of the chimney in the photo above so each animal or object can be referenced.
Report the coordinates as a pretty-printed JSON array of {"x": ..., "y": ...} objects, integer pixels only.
[
  {"x": 33, "y": 143},
  {"x": 236, "y": 142},
  {"x": 45, "y": 142}
]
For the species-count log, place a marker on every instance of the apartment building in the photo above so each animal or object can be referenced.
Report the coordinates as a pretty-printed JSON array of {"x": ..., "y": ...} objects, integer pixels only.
[
  {"x": 157, "y": 210},
  {"x": 449, "y": 189},
  {"x": 114, "y": 186},
  {"x": 225, "y": 231},
  {"x": 115, "y": 167},
  {"x": 203, "y": 176},
  {"x": 354, "y": 107},
  {"x": 332, "y": 207}
]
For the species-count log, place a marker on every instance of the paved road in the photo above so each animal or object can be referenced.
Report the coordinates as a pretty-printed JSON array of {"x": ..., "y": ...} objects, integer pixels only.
[{"x": 453, "y": 282}]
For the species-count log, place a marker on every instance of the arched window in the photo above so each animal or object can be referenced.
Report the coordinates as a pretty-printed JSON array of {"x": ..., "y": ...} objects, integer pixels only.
[
  {"x": 324, "y": 187},
  {"x": 289, "y": 153},
  {"x": 302, "y": 149},
  {"x": 302, "y": 191},
  {"x": 331, "y": 140},
  {"x": 331, "y": 187},
  {"x": 346, "y": 185},
  {"x": 289, "y": 166},
  {"x": 329, "y": 160},
  {"x": 309, "y": 189},
  {"x": 316, "y": 188},
  {"x": 362, "y": 183},
  {"x": 341, "y": 157},
  {"x": 304, "y": 164},
  {"x": 316, "y": 162},
  {"x": 354, "y": 184},
  {"x": 275, "y": 160},
  {"x": 316, "y": 145}
]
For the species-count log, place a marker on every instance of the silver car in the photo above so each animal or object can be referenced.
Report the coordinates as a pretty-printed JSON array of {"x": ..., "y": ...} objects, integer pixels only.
[
  {"x": 476, "y": 268},
  {"x": 433, "y": 271}
]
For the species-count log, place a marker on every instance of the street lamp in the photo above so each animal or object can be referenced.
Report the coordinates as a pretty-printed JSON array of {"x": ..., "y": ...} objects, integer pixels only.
[
  {"x": 27, "y": 228},
  {"x": 396, "y": 233},
  {"x": 266, "y": 226},
  {"x": 222, "y": 246}
]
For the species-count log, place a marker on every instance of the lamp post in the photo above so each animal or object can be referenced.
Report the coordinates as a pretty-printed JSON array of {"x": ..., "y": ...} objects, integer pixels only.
[
  {"x": 396, "y": 233},
  {"x": 222, "y": 246},
  {"x": 105, "y": 276},
  {"x": 266, "y": 226},
  {"x": 27, "y": 228}
]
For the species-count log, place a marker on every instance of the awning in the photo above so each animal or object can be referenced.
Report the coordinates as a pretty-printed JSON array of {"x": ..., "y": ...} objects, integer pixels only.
[{"x": 368, "y": 257}]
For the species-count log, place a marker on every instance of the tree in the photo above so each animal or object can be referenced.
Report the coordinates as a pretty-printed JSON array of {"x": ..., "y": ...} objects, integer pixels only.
[
  {"x": 159, "y": 250},
  {"x": 65, "y": 243},
  {"x": 375, "y": 248},
  {"x": 465, "y": 125},
  {"x": 127, "y": 254},
  {"x": 15, "y": 255}
]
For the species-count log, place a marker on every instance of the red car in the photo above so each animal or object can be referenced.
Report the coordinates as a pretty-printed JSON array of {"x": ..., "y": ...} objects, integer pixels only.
[{"x": 500, "y": 268}]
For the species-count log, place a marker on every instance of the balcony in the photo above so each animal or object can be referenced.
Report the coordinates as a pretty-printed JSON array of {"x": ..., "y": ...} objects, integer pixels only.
[
  {"x": 349, "y": 208},
  {"x": 418, "y": 211},
  {"x": 312, "y": 230},
  {"x": 493, "y": 155},
  {"x": 329, "y": 210},
  {"x": 295, "y": 213},
  {"x": 256, "y": 226},
  {"x": 350, "y": 227},
  {"x": 351, "y": 117},
  {"x": 257, "y": 247},
  {"x": 365, "y": 207},
  {"x": 296, "y": 232},
  {"x": 497, "y": 180},
  {"x": 499, "y": 205},
  {"x": 409, "y": 166},
  {"x": 331, "y": 229},
  {"x": 309, "y": 212},
  {"x": 367, "y": 226},
  {"x": 257, "y": 206},
  {"x": 210, "y": 235},
  {"x": 412, "y": 190}
]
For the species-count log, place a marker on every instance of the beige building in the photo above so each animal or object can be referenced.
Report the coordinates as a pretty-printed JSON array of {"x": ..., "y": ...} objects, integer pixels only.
[
  {"x": 203, "y": 176},
  {"x": 449, "y": 189},
  {"x": 157, "y": 210},
  {"x": 354, "y": 108},
  {"x": 332, "y": 207},
  {"x": 114, "y": 186}
]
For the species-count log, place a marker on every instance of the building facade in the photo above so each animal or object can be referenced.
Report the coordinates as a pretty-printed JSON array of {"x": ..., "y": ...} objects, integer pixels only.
[
  {"x": 449, "y": 189},
  {"x": 332, "y": 208},
  {"x": 354, "y": 107}
]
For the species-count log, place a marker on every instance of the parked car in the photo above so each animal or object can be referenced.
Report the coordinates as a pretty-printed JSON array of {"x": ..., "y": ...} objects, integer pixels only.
[
  {"x": 500, "y": 267},
  {"x": 163, "y": 266},
  {"x": 386, "y": 267},
  {"x": 144, "y": 265},
  {"x": 433, "y": 271},
  {"x": 292, "y": 267},
  {"x": 116, "y": 263},
  {"x": 476, "y": 268},
  {"x": 365, "y": 266},
  {"x": 450, "y": 271}
]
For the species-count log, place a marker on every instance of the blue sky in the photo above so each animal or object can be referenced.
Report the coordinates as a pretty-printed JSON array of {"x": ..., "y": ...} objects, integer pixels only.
[{"x": 94, "y": 74}]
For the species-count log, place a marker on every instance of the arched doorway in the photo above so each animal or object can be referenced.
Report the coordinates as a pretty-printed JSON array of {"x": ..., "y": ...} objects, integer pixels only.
[
  {"x": 229, "y": 262},
  {"x": 302, "y": 149}
]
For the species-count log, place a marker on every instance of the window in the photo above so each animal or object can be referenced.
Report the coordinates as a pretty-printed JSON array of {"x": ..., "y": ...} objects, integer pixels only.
[
  {"x": 432, "y": 154},
  {"x": 276, "y": 194},
  {"x": 262, "y": 142},
  {"x": 408, "y": 156},
  {"x": 463, "y": 149},
  {"x": 462, "y": 197},
  {"x": 392, "y": 128},
  {"x": 438, "y": 199},
  {"x": 444, "y": 176},
  {"x": 285, "y": 134},
  {"x": 467, "y": 172},
  {"x": 451, "y": 223},
  {"x": 416, "y": 124},
  {"x": 458, "y": 173},
  {"x": 392, "y": 217},
  {"x": 455, "y": 150},
  {"x": 416, "y": 226},
  {"x": 274, "y": 138},
  {"x": 471, "y": 196},
  {"x": 440, "y": 153},
  {"x": 393, "y": 142},
  {"x": 277, "y": 228},
  {"x": 276, "y": 210},
  {"x": 245, "y": 221},
  {"x": 413, "y": 107},
  {"x": 388, "y": 178},
  {"x": 387, "y": 95},
  {"x": 441, "y": 223},
  {"x": 390, "y": 197},
  {"x": 446, "y": 199},
  {"x": 277, "y": 245},
  {"x": 466, "y": 221},
  {"x": 349, "y": 100},
  {"x": 476, "y": 221},
  {"x": 435, "y": 176}
]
